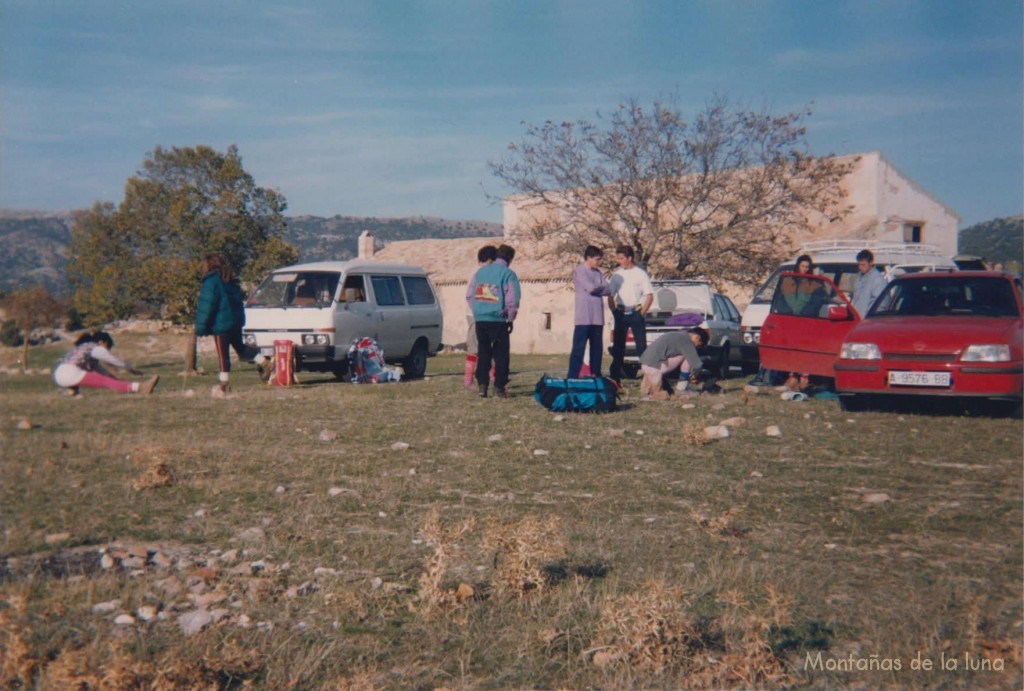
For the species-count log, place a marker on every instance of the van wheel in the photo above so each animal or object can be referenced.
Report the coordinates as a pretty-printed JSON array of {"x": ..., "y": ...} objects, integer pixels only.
[
  {"x": 415, "y": 365},
  {"x": 340, "y": 371}
]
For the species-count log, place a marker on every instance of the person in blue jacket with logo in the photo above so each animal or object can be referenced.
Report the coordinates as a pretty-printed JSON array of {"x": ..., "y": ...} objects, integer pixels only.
[{"x": 493, "y": 295}]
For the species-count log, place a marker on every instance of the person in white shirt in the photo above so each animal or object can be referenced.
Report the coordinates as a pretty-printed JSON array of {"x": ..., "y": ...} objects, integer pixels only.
[{"x": 630, "y": 299}]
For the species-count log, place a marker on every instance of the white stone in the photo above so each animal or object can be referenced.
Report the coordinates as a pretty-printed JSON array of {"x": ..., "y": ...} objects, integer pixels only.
[
  {"x": 106, "y": 607},
  {"x": 399, "y": 446},
  {"x": 322, "y": 571},
  {"x": 279, "y": 489},
  {"x": 252, "y": 535},
  {"x": 327, "y": 435},
  {"x": 559, "y": 418},
  {"x": 494, "y": 437},
  {"x": 376, "y": 583},
  {"x": 146, "y": 613},
  {"x": 541, "y": 452},
  {"x": 756, "y": 473},
  {"x": 716, "y": 432},
  {"x": 195, "y": 621},
  {"x": 773, "y": 431},
  {"x": 124, "y": 620},
  {"x": 875, "y": 498},
  {"x": 107, "y": 561}
]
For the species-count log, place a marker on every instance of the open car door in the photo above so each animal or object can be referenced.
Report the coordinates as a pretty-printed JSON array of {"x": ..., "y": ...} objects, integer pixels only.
[{"x": 808, "y": 322}]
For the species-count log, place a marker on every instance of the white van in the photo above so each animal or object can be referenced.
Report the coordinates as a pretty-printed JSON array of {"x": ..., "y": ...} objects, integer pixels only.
[
  {"x": 322, "y": 307},
  {"x": 836, "y": 259}
]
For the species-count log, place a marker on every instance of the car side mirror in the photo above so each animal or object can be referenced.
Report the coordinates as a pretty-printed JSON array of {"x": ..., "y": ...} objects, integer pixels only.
[{"x": 838, "y": 313}]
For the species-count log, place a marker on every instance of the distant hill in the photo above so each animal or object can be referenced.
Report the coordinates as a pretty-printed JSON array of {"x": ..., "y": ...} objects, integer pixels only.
[
  {"x": 34, "y": 244},
  {"x": 319, "y": 239},
  {"x": 999, "y": 240}
]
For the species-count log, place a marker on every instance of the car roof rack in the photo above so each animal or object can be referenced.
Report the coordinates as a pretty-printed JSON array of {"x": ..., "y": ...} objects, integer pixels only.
[{"x": 902, "y": 248}]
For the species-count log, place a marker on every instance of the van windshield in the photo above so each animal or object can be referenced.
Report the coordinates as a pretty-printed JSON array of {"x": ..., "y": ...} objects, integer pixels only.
[{"x": 298, "y": 289}]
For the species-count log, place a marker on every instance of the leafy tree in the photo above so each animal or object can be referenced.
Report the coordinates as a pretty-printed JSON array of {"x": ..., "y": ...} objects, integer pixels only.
[
  {"x": 146, "y": 255},
  {"x": 717, "y": 197},
  {"x": 32, "y": 308}
]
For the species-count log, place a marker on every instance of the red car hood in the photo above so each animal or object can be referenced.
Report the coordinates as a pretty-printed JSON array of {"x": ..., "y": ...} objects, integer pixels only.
[{"x": 941, "y": 334}]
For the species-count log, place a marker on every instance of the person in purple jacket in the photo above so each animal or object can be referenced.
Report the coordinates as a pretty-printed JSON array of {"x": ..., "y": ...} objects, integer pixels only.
[{"x": 590, "y": 286}]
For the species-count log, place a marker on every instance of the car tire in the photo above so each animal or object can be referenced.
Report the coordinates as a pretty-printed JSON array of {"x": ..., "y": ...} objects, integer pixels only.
[
  {"x": 415, "y": 365},
  {"x": 723, "y": 362},
  {"x": 853, "y": 403}
]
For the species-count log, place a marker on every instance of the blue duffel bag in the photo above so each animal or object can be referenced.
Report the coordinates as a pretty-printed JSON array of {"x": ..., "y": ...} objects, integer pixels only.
[{"x": 585, "y": 395}]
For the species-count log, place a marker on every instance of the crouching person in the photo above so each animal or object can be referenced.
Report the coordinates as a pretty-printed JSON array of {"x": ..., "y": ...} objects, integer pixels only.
[{"x": 677, "y": 350}]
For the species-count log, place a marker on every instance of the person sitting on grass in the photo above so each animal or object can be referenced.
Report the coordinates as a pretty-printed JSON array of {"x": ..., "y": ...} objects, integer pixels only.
[{"x": 84, "y": 366}]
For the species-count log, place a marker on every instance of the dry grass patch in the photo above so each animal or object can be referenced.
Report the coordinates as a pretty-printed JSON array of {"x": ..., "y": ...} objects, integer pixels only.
[
  {"x": 159, "y": 471},
  {"x": 521, "y": 550},
  {"x": 655, "y": 631},
  {"x": 435, "y": 594}
]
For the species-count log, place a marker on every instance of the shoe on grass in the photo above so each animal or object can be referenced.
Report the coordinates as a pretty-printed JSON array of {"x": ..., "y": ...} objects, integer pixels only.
[{"x": 150, "y": 384}]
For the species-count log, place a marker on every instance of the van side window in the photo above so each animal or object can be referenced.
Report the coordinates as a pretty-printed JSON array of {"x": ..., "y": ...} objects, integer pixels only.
[
  {"x": 356, "y": 284},
  {"x": 387, "y": 290},
  {"x": 417, "y": 290}
]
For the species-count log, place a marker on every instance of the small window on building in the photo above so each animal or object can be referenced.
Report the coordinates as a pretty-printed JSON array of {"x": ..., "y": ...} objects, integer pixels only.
[
  {"x": 913, "y": 232},
  {"x": 547, "y": 321}
]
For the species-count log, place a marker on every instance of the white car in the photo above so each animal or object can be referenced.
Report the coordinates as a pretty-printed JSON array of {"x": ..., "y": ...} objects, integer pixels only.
[{"x": 717, "y": 314}]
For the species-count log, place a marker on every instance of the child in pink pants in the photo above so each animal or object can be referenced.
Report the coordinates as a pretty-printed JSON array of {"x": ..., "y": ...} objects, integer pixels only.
[{"x": 83, "y": 366}]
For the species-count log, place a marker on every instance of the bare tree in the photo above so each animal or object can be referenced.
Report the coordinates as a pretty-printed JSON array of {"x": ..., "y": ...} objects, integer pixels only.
[{"x": 719, "y": 197}]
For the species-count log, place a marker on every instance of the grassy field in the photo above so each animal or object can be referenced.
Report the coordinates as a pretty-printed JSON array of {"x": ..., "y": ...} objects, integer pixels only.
[{"x": 414, "y": 536}]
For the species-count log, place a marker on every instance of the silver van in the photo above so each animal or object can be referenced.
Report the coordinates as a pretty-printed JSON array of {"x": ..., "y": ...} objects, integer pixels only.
[{"x": 322, "y": 307}]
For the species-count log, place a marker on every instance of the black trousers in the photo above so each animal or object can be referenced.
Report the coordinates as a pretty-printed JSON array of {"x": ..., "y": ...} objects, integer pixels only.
[
  {"x": 492, "y": 345},
  {"x": 634, "y": 321}
]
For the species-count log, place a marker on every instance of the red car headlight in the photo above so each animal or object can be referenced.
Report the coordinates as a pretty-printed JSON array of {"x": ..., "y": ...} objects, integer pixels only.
[
  {"x": 860, "y": 351},
  {"x": 986, "y": 353}
]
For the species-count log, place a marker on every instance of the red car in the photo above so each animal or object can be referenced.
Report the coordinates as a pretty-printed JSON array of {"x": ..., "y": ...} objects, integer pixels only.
[{"x": 950, "y": 334}]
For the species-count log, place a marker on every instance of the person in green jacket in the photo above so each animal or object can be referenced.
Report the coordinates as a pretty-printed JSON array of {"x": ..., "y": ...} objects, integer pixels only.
[{"x": 221, "y": 313}]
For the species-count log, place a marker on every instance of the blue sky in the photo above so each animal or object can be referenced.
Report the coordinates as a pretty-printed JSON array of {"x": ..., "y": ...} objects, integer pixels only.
[{"x": 387, "y": 108}]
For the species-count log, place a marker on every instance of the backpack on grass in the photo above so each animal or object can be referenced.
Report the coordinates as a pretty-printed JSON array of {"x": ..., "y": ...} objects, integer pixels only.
[{"x": 585, "y": 395}]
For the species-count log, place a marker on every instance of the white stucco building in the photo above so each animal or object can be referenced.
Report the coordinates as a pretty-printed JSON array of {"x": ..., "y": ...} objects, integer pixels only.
[{"x": 886, "y": 206}]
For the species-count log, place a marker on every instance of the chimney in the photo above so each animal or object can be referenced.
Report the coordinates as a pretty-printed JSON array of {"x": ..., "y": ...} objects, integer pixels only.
[{"x": 366, "y": 245}]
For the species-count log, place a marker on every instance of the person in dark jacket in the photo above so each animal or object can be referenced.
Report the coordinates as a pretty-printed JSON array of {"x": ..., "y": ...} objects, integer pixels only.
[{"x": 221, "y": 313}]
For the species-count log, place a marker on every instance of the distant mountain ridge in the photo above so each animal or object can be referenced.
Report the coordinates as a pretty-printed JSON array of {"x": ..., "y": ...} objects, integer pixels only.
[
  {"x": 34, "y": 244},
  {"x": 999, "y": 240}
]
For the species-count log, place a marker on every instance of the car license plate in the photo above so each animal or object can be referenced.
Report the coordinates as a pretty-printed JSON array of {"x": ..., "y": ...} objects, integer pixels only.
[{"x": 902, "y": 378}]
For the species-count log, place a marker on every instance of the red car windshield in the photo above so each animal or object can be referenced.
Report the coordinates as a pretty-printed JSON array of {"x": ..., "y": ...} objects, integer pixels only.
[{"x": 969, "y": 296}]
